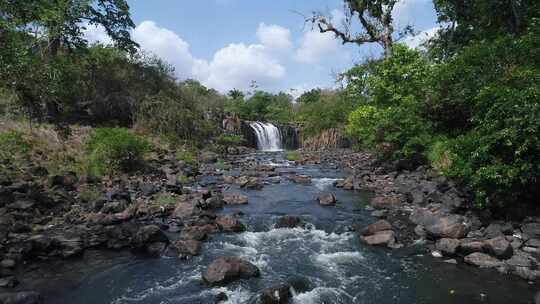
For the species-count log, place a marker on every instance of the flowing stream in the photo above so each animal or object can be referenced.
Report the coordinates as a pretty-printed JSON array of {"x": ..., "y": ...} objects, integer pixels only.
[
  {"x": 324, "y": 262},
  {"x": 268, "y": 136}
]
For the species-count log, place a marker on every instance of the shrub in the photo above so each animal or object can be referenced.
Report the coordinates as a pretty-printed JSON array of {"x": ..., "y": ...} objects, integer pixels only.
[
  {"x": 228, "y": 140},
  {"x": 221, "y": 165},
  {"x": 186, "y": 156},
  {"x": 292, "y": 155},
  {"x": 113, "y": 149},
  {"x": 14, "y": 143}
]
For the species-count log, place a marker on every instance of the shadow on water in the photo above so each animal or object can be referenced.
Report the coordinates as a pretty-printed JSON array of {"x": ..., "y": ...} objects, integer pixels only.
[{"x": 324, "y": 262}]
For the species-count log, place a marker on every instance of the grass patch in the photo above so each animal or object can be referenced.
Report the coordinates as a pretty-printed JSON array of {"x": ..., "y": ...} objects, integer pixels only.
[
  {"x": 166, "y": 199},
  {"x": 292, "y": 155},
  {"x": 221, "y": 165},
  {"x": 89, "y": 193}
]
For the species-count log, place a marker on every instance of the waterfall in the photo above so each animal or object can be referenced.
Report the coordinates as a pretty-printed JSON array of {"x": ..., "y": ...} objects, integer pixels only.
[{"x": 268, "y": 136}]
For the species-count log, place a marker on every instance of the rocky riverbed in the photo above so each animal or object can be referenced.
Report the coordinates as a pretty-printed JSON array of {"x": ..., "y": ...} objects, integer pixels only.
[{"x": 331, "y": 228}]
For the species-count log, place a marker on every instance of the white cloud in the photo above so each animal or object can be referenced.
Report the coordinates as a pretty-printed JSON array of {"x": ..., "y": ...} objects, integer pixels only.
[
  {"x": 274, "y": 37},
  {"x": 405, "y": 11},
  {"x": 315, "y": 46},
  {"x": 170, "y": 47},
  {"x": 236, "y": 65},
  {"x": 417, "y": 40}
]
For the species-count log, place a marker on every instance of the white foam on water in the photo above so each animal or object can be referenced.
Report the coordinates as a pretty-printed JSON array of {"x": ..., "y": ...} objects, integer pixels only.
[
  {"x": 321, "y": 295},
  {"x": 236, "y": 296},
  {"x": 324, "y": 183},
  {"x": 338, "y": 258}
]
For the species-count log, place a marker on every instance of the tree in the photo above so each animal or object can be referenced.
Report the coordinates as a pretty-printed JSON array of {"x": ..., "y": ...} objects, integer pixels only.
[
  {"x": 310, "y": 96},
  {"x": 375, "y": 18}
]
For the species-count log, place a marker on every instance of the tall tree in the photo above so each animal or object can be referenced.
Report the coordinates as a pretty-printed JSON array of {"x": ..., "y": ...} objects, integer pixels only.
[{"x": 374, "y": 17}]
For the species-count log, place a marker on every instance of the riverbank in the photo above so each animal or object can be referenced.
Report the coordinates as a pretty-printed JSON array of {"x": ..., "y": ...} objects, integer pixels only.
[{"x": 423, "y": 205}]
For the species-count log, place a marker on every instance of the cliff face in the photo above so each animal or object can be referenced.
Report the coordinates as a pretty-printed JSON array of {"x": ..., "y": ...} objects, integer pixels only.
[
  {"x": 249, "y": 134},
  {"x": 327, "y": 140}
]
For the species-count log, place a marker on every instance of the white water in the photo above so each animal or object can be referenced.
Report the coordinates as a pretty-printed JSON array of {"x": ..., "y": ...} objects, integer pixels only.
[{"x": 268, "y": 136}]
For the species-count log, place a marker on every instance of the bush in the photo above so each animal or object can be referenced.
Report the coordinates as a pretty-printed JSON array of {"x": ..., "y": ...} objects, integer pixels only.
[
  {"x": 229, "y": 140},
  {"x": 292, "y": 155},
  {"x": 14, "y": 144},
  {"x": 115, "y": 149},
  {"x": 186, "y": 156}
]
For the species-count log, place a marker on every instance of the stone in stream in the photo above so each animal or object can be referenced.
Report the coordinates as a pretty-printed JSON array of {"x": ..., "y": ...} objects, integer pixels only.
[
  {"x": 468, "y": 246},
  {"x": 288, "y": 221},
  {"x": 440, "y": 225},
  {"x": 21, "y": 297},
  {"x": 482, "y": 260},
  {"x": 381, "y": 238},
  {"x": 229, "y": 223},
  {"x": 224, "y": 270},
  {"x": 300, "y": 179},
  {"x": 235, "y": 199},
  {"x": 188, "y": 247},
  {"x": 327, "y": 199},
  {"x": 447, "y": 246},
  {"x": 499, "y": 247},
  {"x": 279, "y": 294},
  {"x": 150, "y": 239},
  {"x": 378, "y": 226},
  {"x": 386, "y": 202}
]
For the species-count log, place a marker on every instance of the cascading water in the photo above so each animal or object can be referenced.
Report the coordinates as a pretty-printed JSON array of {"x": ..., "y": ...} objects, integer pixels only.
[{"x": 268, "y": 136}]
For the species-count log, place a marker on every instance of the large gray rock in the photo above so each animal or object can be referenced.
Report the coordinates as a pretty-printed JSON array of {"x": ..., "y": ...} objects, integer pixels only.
[
  {"x": 327, "y": 199},
  {"x": 499, "y": 247},
  {"x": 447, "y": 246},
  {"x": 440, "y": 225},
  {"x": 188, "y": 247},
  {"x": 378, "y": 226},
  {"x": 382, "y": 238},
  {"x": 469, "y": 246},
  {"x": 229, "y": 223},
  {"x": 150, "y": 239},
  {"x": 482, "y": 260},
  {"x": 227, "y": 269},
  {"x": 386, "y": 202},
  {"x": 532, "y": 230}
]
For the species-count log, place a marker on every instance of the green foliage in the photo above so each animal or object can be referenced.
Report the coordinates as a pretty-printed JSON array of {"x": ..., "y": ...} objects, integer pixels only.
[
  {"x": 186, "y": 156},
  {"x": 115, "y": 149},
  {"x": 229, "y": 140},
  {"x": 14, "y": 144},
  {"x": 293, "y": 155},
  {"x": 166, "y": 199},
  {"x": 262, "y": 106},
  {"x": 330, "y": 111},
  {"x": 221, "y": 165},
  {"x": 89, "y": 193},
  {"x": 310, "y": 96}
]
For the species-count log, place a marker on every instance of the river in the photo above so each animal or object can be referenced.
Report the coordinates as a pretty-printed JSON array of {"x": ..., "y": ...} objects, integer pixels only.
[{"x": 324, "y": 262}]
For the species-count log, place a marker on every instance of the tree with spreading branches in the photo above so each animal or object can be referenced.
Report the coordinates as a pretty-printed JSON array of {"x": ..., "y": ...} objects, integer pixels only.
[{"x": 374, "y": 17}]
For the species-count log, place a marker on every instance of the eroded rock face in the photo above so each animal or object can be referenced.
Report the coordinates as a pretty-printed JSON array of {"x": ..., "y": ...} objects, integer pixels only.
[
  {"x": 235, "y": 199},
  {"x": 327, "y": 199},
  {"x": 224, "y": 270},
  {"x": 482, "y": 260}
]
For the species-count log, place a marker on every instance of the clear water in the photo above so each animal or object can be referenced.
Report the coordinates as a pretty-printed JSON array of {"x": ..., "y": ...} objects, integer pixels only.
[{"x": 324, "y": 262}]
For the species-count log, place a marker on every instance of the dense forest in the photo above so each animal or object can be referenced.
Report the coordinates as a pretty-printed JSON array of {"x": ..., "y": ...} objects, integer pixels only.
[{"x": 466, "y": 102}]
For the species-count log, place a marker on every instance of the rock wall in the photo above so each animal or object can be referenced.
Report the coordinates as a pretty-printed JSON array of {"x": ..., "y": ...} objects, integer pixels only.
[{"x": 327, "y": 140}]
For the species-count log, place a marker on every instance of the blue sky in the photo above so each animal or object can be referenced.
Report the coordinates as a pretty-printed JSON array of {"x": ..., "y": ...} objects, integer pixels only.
[{"x": 226, "y": 44}]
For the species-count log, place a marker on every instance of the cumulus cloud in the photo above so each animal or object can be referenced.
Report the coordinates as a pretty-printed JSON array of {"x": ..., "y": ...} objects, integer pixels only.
[
  {"x": 315, "y": 46},
  {"x": 95, "y": 34},
  {"x": 274, "y": 37},
  {"x": 405, "y": 11},
  {"x": 236, "y": 65}
]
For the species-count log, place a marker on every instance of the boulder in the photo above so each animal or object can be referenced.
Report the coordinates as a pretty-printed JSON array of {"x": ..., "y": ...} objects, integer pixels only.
[
  {"x": 150, "y": 239},
  {"x": 288, "y": 221},
  {"x": 440, "y": 225},
  {"x": 532, "y": 230},
  {"x": 227, "y": 269},
  {"x": 185, "y": 209},
  {"x": 21, "y": 297},
  {"x": 7, "y": 263},
  {"x": 381, "y": 238},
  {"x": 327, "y": 199},
  {"x": 378, "y": 226},
  {"x": 447, "y": 246},
  {"x": 235, "y": 198},
  {"x": 229, "y": 223},
  {"x": 279, "y": 294},
  {"x": 499, "y": 247},
  {"x": 468, "y": 246},
  {"x": 197, "y": 233},
  {"x": 482, "y": 260},
  {"x": 188, "y": 247}
]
